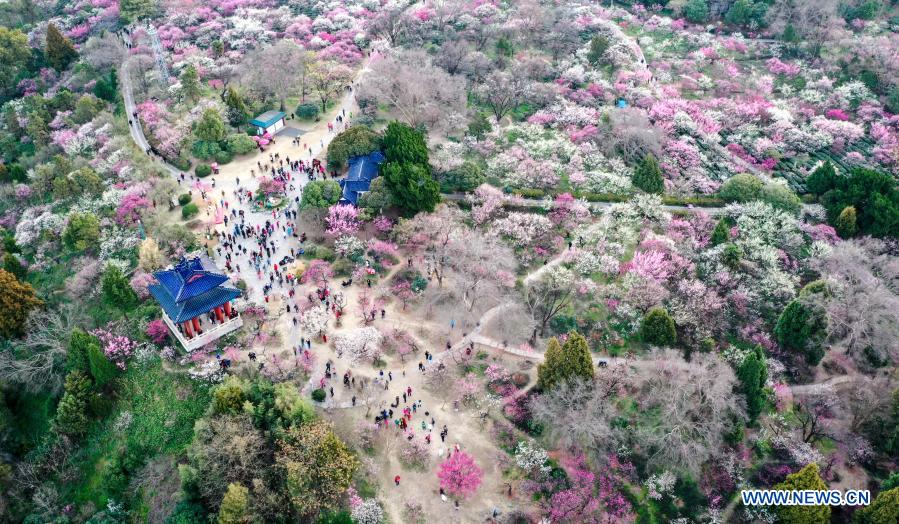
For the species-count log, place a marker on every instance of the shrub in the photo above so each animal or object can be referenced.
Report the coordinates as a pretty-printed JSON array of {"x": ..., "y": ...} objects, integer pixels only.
[
  {"x": 319, "y": 395},
  {"x": 657, "y": 328},
  {"x": 205, "y": 150},
  {"x": 189, "y": 211},
  {"x": 696, "y": 11},
  {"x": 355, "y": 141},
  {"x": 240, "y": 144},
  {"x": 184, "y": 199},
  {"x": 223, "y": 156},
  {"x": 203, "y": 170},
  {"x": 307, "y": 111}
]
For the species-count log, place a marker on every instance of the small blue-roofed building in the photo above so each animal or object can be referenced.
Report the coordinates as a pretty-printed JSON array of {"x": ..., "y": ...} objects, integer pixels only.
[
  {"x": 362, "y": 170},
  {"x": 269, "y": 122},
  {"x": 196, "y": 301}
]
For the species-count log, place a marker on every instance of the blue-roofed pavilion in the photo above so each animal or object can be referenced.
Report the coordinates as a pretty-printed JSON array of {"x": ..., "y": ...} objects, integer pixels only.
[
  {"x": 362, "y": 170},
  {"x": 196, "y": 301}
]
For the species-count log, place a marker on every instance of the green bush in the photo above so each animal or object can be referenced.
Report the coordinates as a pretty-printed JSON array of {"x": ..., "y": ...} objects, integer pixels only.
[
  {"x": 657, "y": 328},
  {"x": 320, "y": 252},
  {"x": 240, "y": 144},
  {"x": 204, "y": 150},
  {"x": 223, "y": 156},
  {"x": 307, "y": 111},
  {"x": 184, "y": 199},
  {"x": 203, "y": 170},
  {"x": 182, "y": 162},
  {"x": 319, "y": 395},
  {"x": 189, "y": 211},
  {"x": 697, "y": 11},
  {"x": 355, "y": 141},
  {"x": 530, "y": 192}
]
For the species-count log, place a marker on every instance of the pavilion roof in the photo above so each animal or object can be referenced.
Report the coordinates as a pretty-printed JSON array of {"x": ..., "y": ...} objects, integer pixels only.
[
  {"x": 268, "y": 118},
  {"x": 191, "y": 287}
]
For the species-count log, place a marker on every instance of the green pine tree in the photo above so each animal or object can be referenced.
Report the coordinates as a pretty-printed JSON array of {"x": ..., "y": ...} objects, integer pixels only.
[
  {"x": 801, "y": 328},
  {"x": 721, "y": 234},
  {"x": 190, "y": 84},
  {"x": 822, "y": 179},
  {"x": 806, "y": 478},
  {"x": 598, "y": 46},
  {"x": 234, "y": 508},
  {"x": 237, "y": 109},
  {"x": 412, "y": 186},
  {"x": 648, "y": 176},
  {"x": 11, "y": 263},
  {"x": 117, "y": 291},
  {"x": 658, "y": 329},
  {"x": 405, "y": 145},
  {"x": 884, "y": 509},
  {"x": 71, "y": 413},
  {"x": 847, "y": 223},
  {"x": 548, "y": 371},
  {"x": 77, "y": 355},
  {"x": 565, "y": 362},
  {"x": 210, "y": 127},
  {"x": 132, "y": 10},
  {"x": 59, "y": 50},
  {"x": 101, "y": 368},
  {"x": 753, "y": 375}
]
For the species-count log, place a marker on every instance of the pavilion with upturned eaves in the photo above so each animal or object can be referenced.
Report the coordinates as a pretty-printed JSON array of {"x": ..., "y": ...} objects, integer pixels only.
[{"x": 196, "y": 302}]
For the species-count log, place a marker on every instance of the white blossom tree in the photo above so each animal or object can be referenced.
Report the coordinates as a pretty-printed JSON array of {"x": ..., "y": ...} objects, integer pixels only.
[{"x": 359, "y": 344}]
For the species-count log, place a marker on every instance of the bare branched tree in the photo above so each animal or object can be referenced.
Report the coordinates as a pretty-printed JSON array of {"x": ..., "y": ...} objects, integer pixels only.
[
  {"x": 37, "y": 363},
  {"x": 863, "y": 314},
  {"x": 690, "y": 406},
  {"x": 417, "y": 91}
]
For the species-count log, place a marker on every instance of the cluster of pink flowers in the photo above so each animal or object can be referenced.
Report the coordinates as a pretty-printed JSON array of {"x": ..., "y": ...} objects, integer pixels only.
[
  {"x": 117, "y": 348},
  {"x": 342, "y": 220}
]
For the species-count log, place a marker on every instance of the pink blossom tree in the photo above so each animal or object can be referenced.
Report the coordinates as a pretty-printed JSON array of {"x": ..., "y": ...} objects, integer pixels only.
[
  {"x": 318, "y": 273},
  {"x": 157, "y": 331},
  {"x": 342, "y": 220},
  {"x": 459, "y": 475}
]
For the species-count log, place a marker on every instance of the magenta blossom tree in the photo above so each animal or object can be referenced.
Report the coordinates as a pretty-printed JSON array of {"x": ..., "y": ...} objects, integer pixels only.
[
  {"x": 459, "y": 475},
  {"x": 157, "y": 331},
  {"x": 318, "y": 272}
]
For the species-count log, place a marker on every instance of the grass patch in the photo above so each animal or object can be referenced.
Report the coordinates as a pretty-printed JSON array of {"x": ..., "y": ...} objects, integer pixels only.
[{"x": 163, "y": 408}]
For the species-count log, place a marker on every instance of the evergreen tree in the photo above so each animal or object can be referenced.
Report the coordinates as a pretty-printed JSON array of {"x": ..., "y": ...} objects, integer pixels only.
[
  {"x": 884, "y": 509},
  {"x": 102, "y": 370},
  {"x": 648, "y": 176},
  {"x": 210, "y": 127},
  {"x": 402, "y": 144},
  {"x": 77, "y": 355},
  {"x": 801, "y": 328},
  {"x": 412, "y": 186},
  {"x": 598, "y": 46},
  {"x": 822, "y": 179},
  {"x": 479, "y": 126},
  {"x": 237, "y": 109},
  {"x": 17, "y": 299},
  {"x": 548, "y": 371},
  {"x": 721, "y": 234},
  {"x": 696, "y": 11},
  {"x": 190, "y": 84},
  {"x": 82, "y": 233},
  {"x": 658, "y": 329},
  {"x": 59, "y": 50},
  {"x": 806, "y": 478},
  {"x": 117, "y": 291},
  {"x": 847, "y": 223},
  {"x": 132, "y": 10},
  {"x": 565, "y": 362},
  {"x": 235, "y": 505},
  {"x": 790, "y": 35},
  {"x": 11, "y": 263},
  {"x": 71, "y": 413},
  {"x": 753, "y": 374},
  {"x": 14, "y": 56}
]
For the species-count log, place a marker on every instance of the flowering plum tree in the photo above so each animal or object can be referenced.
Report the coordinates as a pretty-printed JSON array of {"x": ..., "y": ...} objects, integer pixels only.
[{"x": 459, "y": 475}]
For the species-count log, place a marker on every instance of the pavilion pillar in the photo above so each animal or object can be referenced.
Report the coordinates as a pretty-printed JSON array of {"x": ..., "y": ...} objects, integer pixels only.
[
  {"x": 219, "y": 314},
  {"x": 196, "y": 322},
  {"x": 228, "y": 309},
  {"x": 187, "y": 330}
]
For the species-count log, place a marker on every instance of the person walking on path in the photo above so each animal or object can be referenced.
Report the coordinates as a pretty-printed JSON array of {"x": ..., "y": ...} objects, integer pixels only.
[{"x": 396, "y": 479}]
